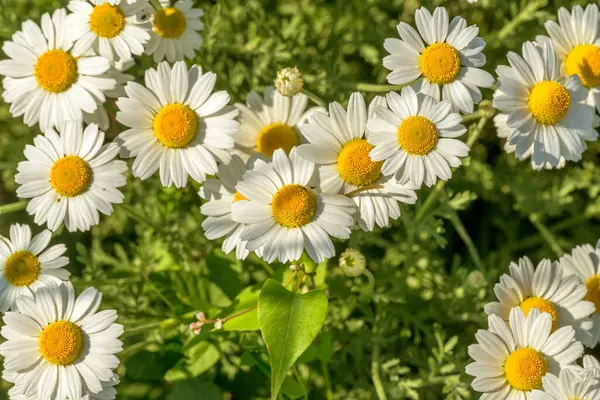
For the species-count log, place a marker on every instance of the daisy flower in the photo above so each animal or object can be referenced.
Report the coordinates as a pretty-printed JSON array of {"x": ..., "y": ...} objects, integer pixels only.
[
  {"x": 448, "y": 62},
  {"x": 108, "y": 27},
  {"x": 175, "y": 31},
  {"x": 591, "y": 365},
  {"x": 60, "y": 346},
  {"x": 46, "y": 80},
  {"x": 549, "y": 112},
  {"x": 270, "y": 122},
  {"x": 221, "y": 194},
  {"x": 504, "y": 132},
  {"x": 337, "y": 145},
  {"x": 584, "y": 264},
  {"x": 568, "y": 385},
  {"x": 28, "y": 264},
  {"x": 178, "y": 125},
  {"x": 547, "y": 289},
  {"x": 285, "y": 216},
  {"x": 415, "y": 138},
  {"x": 577, "y": 41},
  {"x": 71, "y": 176},
  {"x": 512, "y": 359}
]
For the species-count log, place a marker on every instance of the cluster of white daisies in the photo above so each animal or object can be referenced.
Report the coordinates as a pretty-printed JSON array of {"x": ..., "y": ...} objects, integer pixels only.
[{"x": 279, "y": 178}]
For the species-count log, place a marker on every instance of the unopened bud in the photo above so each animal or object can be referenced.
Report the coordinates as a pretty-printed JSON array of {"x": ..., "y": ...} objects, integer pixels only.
[
  {"x": 200, "y": 316},
  {"x": 296, "y": 267},
  {"x": 289, "y": 81},
  {"x": 352, "y": 262},
  {"x": 219, "y": 324},
  {"x": 196, "y": 327}
]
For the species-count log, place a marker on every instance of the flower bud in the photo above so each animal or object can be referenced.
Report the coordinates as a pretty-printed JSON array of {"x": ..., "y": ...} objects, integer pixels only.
[
  {"x": 219, "y": 324},
  {"x": 352, "y": 262},
  {"x": 289, "y": 81}
]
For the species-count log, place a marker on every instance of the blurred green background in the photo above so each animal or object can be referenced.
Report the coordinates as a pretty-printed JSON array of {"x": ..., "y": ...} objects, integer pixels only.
[{"x": 407, "y": 323}]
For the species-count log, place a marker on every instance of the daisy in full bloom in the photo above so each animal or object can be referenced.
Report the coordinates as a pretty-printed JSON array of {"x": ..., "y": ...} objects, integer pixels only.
[
  {"x": 46, "y": 80},
  {"x": 60, "y": 346},
  {"x": 584, "y": 263},
  {"x": 285, "y": 216},
  {"x": 178, "y": 125},
  {"x": 270, "y": 122},
  {"x": 547, "y": 289},
  {"x": 221, "y": 194},
  {"x": 175, "y": 31},
  {"x": 448, "y": 63},
  {"x": 108, "y": 27},
  {"x": 337, "y": 145},
  {"x": 513, "y": 359},
  {"x": 71, "y": 176},
  {"x": 549, "y": 111},
  {"x": 576, "y": 38},
  {"x": 415, "y": 138},
  {"x": 568, "y": 385},
  {"x": 28, "y": 264}
]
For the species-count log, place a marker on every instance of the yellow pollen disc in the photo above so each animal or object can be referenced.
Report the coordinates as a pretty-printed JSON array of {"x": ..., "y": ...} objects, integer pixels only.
[
  {"x": 440, "y": 63},
  {"x": 70, "y": 176},
  {"x": 549, "y": 102},
  {"x": 61, "y": 342},
  {"x": 175, "y": 125},
  {"x": 593, "y": 291},
  {"x": 169, "y": 23},
  {"x": 238, "y": 197},
  {"x": 22, "y": 268},
  {"x": 276, "y": 136},
  {"x": 107, "y": 21},
  {"x": 294, "y": 206},
  {"x": 417, "y": 135},
  {"x": 524, "y": 369},
  {"x": 584, "y": 60},
  {"x": 542, "y": 305},
  {"x": 55, "y": 71},
  {"x": 355, "y": 165}
]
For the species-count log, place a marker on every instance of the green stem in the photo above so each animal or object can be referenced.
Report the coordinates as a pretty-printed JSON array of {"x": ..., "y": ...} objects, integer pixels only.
[
  {"x": 464, "y": 235},
  {"x": 12, "y": 207},
  {"x": 315, "y": 98},
  {"x": 133, "y": 214},
  {"x": 328, "y": 388},
  {"x": 546, "y": 234},
  {"x": 375, "y": 374},
  {"x": 524, "y": 15},
  {"x": 371, "y": 87},
  {"x": 300, "y": 381}
]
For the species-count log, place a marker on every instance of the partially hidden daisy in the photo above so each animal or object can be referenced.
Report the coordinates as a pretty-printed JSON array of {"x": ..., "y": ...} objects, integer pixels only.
[
  {"x": 71, "y": 176},
  {"x": 568, "y": 385},
  {"x": 446, "y": 66},
  {"x": 584, "y": 263},
  {"x": 221, "y": 193},
  {"x": 61, "y": 346},
  {"x": 576, "y": 38},
  {"x": 177, "y": 124},
  {"x": 415, "y": 138},
  {"x": 46, "y": 80},
  {"x": 28, "y": 264},
  {"x": 175, "y": 31},
  {"x": 270, "y": 122},
  {"x": 285, "y": 216},
  {"x": 108, "y": 27},
  {"x": 548, "y": 289},
  {"x": 338, "y": 146},
  {"x": 512, "y": 359},
  {"x": 504, "y": 132},
  {"x": 549, "y": 111}
]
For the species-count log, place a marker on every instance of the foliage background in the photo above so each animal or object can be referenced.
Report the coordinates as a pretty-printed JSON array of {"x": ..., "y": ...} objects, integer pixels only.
[{"x": 407, "y": 323}]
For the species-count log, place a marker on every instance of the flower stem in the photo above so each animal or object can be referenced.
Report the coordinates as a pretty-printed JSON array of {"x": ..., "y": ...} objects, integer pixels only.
[
  {"x": 546, "y": 234},
  {"x": 328, "y": 389},
  {"x": 363, "y": 189},
  {"x": 370, "y": 87},
  {"x": 133, "y": 214},
  {"x": 526, "y": 14},
  {"x": 12, "y": 207},
  {"x": 464, "y": 235},
  {"x": 314, "y": 97}
]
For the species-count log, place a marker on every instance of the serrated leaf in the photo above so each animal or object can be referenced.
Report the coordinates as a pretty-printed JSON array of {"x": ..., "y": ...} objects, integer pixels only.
[{"x": 289, "y": 323}]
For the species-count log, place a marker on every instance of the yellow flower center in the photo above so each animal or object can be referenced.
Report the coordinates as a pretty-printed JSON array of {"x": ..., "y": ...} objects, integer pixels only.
[
  {"x": 175, "y": 125},
  {"x": 524, "y": 369},
  {"x": 22, "y": 268},
  {"x": 238, "y": 197},
  {"x": 355, "y": 165},
  {"x": 584, "y": 60},
  {"x": 440, "y": 63},
  {"x": 61, "y": 342},
  {"x": 549, "y": 102},
  {"x": 417, "y": 135},
  {"x": 107, "y": 21},
  {"x": 276, "y": 136},
  {"x": 169, "y": 23},
  {"x": 294, "y": 206},
  {"x": 55, "y": 71},
  {"x": 541, "y": 304},
  {"x": 593, "y": 291},
  {"x": 70, "y": 176}
]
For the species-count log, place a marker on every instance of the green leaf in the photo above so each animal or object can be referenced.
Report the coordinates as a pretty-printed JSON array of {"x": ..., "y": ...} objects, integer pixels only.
[
  {"x": 195, "y": 389},
  {"x": 198, "y": 359},
  {"x": 289, "y": 322},
  {"x": 248, "y": 321}
]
